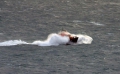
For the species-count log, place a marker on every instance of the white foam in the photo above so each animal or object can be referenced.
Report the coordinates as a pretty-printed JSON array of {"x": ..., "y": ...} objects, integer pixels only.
[
  {"x": 12, "y": 42},
  {"x": 52, "y": 40},
  {"x": 84, "y": 39},
  {"x": 96, "y": 23}
]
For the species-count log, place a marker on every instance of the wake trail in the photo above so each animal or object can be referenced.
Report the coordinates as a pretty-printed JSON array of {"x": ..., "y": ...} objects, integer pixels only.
[{"x": 52, "y": 40}]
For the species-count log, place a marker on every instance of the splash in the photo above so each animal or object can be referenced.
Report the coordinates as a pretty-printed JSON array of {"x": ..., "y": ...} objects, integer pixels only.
[{"x": 52, "y": 40}]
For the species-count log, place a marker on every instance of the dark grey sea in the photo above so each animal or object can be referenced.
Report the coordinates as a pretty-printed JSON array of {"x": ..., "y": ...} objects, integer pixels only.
[{"x": 31, "y": 20}]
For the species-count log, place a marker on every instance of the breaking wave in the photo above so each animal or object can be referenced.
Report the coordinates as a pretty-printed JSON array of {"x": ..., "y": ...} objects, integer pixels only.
[{"x": 52, "y": 40}]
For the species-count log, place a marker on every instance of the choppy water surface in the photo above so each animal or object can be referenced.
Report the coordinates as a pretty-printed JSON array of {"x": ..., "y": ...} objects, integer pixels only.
[{"x": 29, "y": 20}]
